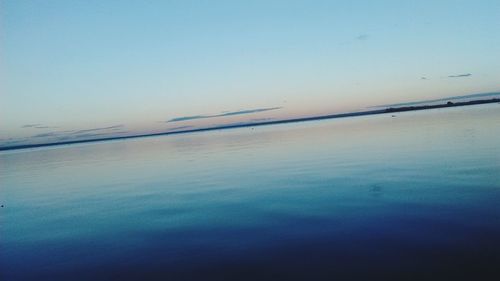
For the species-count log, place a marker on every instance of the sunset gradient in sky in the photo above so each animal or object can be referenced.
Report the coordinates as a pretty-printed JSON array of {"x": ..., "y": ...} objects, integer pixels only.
[{"x": 86, "y": 69}]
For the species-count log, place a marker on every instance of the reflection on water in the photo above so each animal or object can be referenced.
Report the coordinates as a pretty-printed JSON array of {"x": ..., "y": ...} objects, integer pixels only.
[{"x": 412, "y": 196}]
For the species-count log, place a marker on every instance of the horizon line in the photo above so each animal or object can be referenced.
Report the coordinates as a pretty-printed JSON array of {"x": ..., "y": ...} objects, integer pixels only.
[{"x": 264, "y": 123}]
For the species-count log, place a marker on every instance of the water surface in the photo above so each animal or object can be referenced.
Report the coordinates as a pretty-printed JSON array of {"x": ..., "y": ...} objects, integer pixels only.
[{"x": 415, "y": 196}]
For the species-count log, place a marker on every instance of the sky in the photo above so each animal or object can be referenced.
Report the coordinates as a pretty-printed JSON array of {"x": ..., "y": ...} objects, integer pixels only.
[{"x": 88, "y": 69}]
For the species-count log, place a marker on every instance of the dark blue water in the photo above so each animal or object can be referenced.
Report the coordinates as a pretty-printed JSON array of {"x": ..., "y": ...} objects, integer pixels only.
[{"x": 416, "y": 196}]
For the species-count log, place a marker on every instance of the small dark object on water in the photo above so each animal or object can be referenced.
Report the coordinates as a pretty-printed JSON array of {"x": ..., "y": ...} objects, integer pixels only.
[
  {"x": 393, "y": 115},
  {"x": 1, "y": 206},
  {"x": 449, "y": 103}
]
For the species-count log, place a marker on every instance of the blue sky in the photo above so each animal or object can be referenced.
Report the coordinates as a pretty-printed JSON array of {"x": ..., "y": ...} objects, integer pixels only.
[{"x": 83, "y": 69}]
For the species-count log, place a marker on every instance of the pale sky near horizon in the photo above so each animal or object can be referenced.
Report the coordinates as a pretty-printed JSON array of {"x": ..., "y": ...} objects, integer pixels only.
[{"x": 83, "y": 69}]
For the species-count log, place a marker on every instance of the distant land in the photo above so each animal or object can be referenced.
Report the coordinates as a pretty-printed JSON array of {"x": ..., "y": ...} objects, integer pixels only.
[
  {"x": 330, "y": 116},
  {"x": 432, "y": 101}
]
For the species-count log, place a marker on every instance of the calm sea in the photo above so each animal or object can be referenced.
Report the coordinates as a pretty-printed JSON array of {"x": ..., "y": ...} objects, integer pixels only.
[{"x": 415, "y": 196}]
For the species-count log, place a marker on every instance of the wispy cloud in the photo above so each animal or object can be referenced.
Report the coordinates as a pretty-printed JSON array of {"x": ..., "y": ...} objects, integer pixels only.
[
  {"x": 180, "y": 128},
  {"x": 74, "y": 134},
  {"x": 248, "y": 111},
  {"x": 38, "y": 126},
  {"x": 30, "y": 125},
  {"x": 12, "y": 141},
  {"x": 90, "y": 135},
  {"x": 47, "y": 135},
  {"x": 115, "y": 127},
  {"x": 231, "y": 113},
  {"x": 186, "y": 118},
  {"x": 66, "y": 135},
  {"x": 362, "y": 37},
  {"x": 261, "y": 119},
  {"x": 459, "y": 75}
]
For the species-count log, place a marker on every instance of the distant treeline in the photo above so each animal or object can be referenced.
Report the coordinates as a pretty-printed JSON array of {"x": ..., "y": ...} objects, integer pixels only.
[{"x": 448, "y": 104}]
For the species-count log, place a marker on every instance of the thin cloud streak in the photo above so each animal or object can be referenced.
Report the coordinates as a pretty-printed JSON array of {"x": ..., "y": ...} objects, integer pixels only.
[
  {"x": 460, "y": 75},
  {"x": 38, "y": 126},
  {"x": 231, "y": 113},
  {"x": 115, "y": 127},
  {"x": 180, "y": 128},
  {"x": 185, "y": 118},
  {"x": 89, "y": 135},
  {"x": 46, "y": 135},
  {"x": 73, "y": 134},
  {"x": 30, "y": 125}
]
